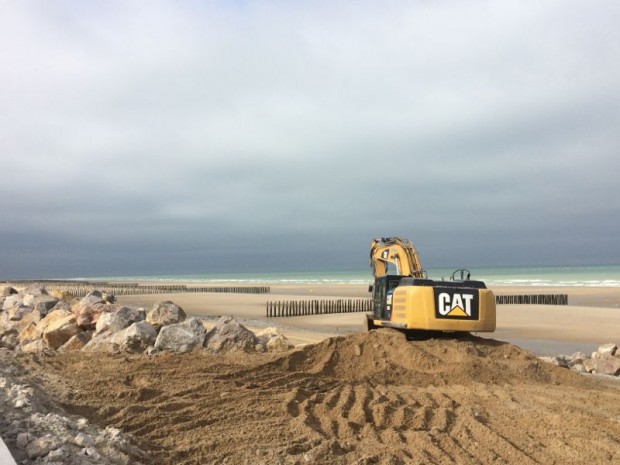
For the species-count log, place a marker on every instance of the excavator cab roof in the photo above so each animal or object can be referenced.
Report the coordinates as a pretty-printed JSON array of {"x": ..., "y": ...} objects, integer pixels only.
[{"x": 408, "y": 281}]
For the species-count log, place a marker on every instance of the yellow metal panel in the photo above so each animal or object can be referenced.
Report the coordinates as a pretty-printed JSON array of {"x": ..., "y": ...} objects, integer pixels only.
[{"x": 419, "y": 311}]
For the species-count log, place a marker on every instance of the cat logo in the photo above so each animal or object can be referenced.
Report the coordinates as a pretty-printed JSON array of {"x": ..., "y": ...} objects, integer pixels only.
[{"x": 461, "y": 305}]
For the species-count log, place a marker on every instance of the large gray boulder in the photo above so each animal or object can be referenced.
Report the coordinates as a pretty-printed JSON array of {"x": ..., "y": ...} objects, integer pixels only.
[
  {"x": 165, "y": 313},
  {"x": 120, "y": 319},
  {"x": 12, "y": 300},
  {"x": 92, "y": 298},
  {"x": 607, "y": 365},
  {"x": 35, "y": 289},
  {"x": 44, "y": 303},
  {"x": 62, "y": 305},
  {"x": 136, "y": 338},
  {"x": 181, "y": 337},
  {"x": 101, "y": 343},
  {"x": 229, "y": 335},
  {"x": 32, "y": 292}
]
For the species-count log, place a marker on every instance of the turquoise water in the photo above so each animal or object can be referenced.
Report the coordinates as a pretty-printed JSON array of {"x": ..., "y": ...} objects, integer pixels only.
[{"x": 590, "y": 276}]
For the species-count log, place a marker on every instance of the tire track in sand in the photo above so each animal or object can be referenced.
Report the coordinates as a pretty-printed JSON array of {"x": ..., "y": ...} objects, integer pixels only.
[{"x": 365, "y": 398}]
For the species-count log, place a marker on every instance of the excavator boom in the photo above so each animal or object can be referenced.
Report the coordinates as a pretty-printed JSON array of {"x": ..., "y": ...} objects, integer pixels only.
[{"x": 399, "y": 252}]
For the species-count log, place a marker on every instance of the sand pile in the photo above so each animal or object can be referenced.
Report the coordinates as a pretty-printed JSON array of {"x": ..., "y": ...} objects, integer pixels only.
[
  {"x": 361, "y": 399},
  {"x": 387, "y": 357}
]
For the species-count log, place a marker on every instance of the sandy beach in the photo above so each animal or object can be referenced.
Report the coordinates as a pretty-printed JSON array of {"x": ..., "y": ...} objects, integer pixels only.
[
  {"x": 591, "y": 318},
  {"x": 341, "y": 396}
]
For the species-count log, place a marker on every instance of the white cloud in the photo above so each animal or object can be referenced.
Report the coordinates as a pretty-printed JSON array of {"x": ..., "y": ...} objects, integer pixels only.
[{"x": 346, "y": 117}]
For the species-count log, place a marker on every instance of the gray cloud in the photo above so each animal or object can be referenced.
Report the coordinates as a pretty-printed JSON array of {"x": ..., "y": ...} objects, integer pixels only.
[{"x": 162, "y": 137}]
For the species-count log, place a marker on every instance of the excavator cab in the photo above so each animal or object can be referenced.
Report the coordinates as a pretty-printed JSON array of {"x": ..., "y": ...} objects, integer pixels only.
[{"x": 382, "y": 295}]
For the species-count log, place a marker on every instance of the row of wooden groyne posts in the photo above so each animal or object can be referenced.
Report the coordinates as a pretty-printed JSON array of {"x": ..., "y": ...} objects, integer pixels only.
[
  {"x": 317, "y": 307},
  {"x": 322, "y": 307},
  {"x": 534, "y": 299},
  {"x": 80, "y": 289}
]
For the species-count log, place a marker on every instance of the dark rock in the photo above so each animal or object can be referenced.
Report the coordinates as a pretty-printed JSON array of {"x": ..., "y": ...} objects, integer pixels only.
[
  {"x": 108, "y": 298},
  {"x": 44, "y": 303},
  {"x": 9, "y": 341},
  {"x": 558, "y": 360},
  {"x": 17, "y": 313},
  {"x": 7, "y": 325},
  {"x": 62, "y": 305}
]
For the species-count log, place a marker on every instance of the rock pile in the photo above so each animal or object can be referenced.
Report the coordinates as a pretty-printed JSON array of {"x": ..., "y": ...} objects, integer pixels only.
[
  {"x": 37, "y": 431},
  {"x": 604, "y": 361},
  {"x": 33, "y": 321}
]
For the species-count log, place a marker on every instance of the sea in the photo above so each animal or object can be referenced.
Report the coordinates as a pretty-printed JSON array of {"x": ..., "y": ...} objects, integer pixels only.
[{"x": 581, "y": 276}]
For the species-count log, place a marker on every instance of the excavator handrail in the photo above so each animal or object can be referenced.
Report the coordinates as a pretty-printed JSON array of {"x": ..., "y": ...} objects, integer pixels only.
[{"x": 398, "y": 251}]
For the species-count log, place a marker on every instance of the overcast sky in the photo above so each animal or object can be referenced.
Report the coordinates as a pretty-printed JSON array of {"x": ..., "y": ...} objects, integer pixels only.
[{"x": 192, "y": 137}]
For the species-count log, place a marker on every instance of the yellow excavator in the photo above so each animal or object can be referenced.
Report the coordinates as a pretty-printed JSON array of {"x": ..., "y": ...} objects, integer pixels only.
[{"x": 404, "y": 298}]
